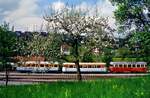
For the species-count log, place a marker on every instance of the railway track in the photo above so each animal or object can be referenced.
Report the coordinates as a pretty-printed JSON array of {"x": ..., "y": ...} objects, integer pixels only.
[{"x": 51, "y": 77}]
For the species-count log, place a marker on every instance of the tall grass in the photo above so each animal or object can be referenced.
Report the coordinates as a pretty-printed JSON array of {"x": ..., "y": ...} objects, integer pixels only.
[{"x": 102, "y": 88}]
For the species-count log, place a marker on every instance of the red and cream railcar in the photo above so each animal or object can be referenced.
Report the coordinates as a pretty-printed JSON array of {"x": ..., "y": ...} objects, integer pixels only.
[{"x": 128, "y": 67}]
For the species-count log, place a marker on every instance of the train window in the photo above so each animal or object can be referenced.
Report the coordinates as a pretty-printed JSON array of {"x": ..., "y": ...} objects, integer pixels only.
[
  {"x": 46, "y": 65},
  {"x": 27, "y": 65},
  {"x": 102, "y": 66},
  {"x": 84, "y": 66},
  {"x": 138, "y": 65},
  {"x": 129, "y": 65},
  {"x": 120, "y": 65},
  {"x": 34, "y": 65},
  {"x": 71, "y": 66},
  {"x": 89, "y": 66},
  {"x": 42, "y": 65},
  {"x": 133, "y": 65},
  {"x": 142, "y": 65},
  {"x": 30, "y": 65},
  {"x": 52, "y": 65},
  {"x": 67, "y": 65},
  {"x": 55, "y": 65}
]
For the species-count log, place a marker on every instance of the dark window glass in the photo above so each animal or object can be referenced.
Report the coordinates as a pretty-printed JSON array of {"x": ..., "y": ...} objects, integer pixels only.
[
  {"x": 71, "y": 66},
  {"x": 138, "y": 65},
  {"x": 142, "y": 65},
  {"x": 42, "y": 65},
  {"x": 89, "y": 66},
  {"x": 55, "y": 65},
  {"x": 129, "y": 65},
  {"x": 98, "y": 66}
]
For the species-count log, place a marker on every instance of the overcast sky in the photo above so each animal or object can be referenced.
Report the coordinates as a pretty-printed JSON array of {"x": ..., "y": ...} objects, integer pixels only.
[{"x": 28, "y": 14}]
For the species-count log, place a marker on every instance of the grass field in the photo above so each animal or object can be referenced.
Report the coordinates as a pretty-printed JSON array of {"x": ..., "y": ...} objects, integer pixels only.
[{"x": 103, "y": 88}]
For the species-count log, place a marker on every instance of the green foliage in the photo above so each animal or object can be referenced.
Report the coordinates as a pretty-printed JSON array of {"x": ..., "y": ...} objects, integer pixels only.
[
  {"x": 146, "y": 59},
  {"x": 88, "y": 57},
  {"x": 141, "y": 39},
  {"x": 52, "y": 51},
  {"x": 134, "y": 14},
  {"x": 124, "y": 59},
  {"x": 122, "y": 52},
  {"x": 8, "y": 46},
  {"x": 69, "y": 58},
  {"x": 107, "y": 59},
  {"x": 8, "y": 42},
  {"x": 102, "y": 88},
  {"x": 130, "y": 12}
]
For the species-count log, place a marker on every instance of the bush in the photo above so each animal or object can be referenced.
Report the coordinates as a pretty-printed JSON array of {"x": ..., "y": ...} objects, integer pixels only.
[
  {"x": 124, "y": 59},
  {"x": 70, "y": 58},
  {"x": 106, "y": 59},
  {"x": 146, "y": 59},
  {"x": 87, "y": 57}
]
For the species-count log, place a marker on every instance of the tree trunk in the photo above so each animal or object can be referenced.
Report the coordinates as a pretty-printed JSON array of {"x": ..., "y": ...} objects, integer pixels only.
[
  {"x": 6, "y": 71},
  {"x": 79, "y": 77},
  {"x": 6, "y": 74}
]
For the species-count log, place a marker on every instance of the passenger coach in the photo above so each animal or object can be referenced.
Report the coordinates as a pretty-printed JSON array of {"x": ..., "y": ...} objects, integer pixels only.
[
  {"x": 128, "y": 67},
  {"x": 33, "y": 66},
  {"x": 85, "y": 67}
]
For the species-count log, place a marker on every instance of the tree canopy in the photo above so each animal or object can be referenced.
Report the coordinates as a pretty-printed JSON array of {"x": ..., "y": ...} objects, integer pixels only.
[
  {"x": 78, "y": 28},
  {"x": 133, "y": 14},
  {"x": 8, "y": 42}
]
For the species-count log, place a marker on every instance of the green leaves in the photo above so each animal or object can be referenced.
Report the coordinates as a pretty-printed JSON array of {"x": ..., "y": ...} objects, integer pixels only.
[
  {"x": 143, "y": 40},
  {"x": 8, "y": 41},
  {"x": 130, "y": 13}
]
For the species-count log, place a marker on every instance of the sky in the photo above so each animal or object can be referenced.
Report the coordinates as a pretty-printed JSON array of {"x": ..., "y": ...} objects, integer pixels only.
[{"x": 27, "y": 15}]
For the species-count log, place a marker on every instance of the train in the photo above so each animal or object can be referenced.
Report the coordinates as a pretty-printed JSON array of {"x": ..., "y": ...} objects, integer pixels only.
[{"x": 85, "y": 67}]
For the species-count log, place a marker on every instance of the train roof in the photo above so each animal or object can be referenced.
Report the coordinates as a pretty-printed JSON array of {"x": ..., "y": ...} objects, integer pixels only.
[
  {"x": 112, "y": 63},
  {"x": 36, "y": 62},
  {"x": 88, "y": 63}
]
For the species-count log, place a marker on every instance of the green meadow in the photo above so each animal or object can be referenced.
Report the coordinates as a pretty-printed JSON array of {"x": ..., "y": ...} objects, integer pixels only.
[{"x": 102, "y": 88}]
